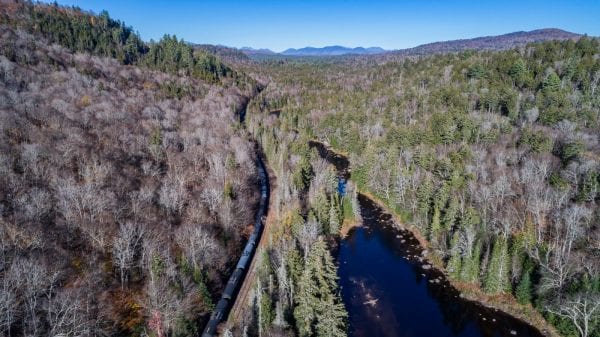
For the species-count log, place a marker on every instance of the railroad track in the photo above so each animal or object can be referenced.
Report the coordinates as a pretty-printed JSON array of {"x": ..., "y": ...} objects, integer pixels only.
[
  {"x": 241, "y": 301},
  {"x": 246, "y": 263}
]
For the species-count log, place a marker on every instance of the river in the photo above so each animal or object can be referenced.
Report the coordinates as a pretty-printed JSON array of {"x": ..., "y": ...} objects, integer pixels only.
[{"x": 389, "y": 289}]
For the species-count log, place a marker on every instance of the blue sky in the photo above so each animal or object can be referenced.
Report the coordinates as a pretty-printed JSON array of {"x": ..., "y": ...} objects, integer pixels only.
[{"x": 389, "y": 24}]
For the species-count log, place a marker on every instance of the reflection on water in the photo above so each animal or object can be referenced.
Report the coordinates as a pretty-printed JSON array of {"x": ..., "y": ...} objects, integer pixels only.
[{"x": 389, "y": 290}]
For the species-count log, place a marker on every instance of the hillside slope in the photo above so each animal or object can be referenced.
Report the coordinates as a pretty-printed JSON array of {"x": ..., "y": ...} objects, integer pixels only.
[
  {"x": 124, "y": 189},
  {"x": 497, "y": 42}
]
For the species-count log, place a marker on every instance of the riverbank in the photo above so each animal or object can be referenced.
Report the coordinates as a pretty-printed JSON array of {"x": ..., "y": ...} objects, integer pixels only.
[{"x": 503, "y": 302}]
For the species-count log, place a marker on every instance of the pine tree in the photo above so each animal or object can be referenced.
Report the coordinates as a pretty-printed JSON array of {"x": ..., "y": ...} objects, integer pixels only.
[
  {"x": 470, "y": 218},
  {"x": 265, "y": 308},
  {"x": 294, "y": 264},
  {"x": 497, "y": 275},
  {"x": 450, "y": 214},
  {"x": 332, "y": 318},
  {"x": 518, "y": 72},
  {"x": 454, "y": 263},
  {"x": 318, "y": 305},
  {"x": 424, "y": 193},
  {"x": 523, "y": 291},
  {"x": 435, "y": 227},
  {"x": 470, "y": 265},
  {"x": 551, "y": 83},
  {"x": 321, "y": 208},
  {"x": 304, "y": 312}
]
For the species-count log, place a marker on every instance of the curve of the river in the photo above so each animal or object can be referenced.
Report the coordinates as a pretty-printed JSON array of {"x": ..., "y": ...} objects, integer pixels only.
[{"x": 389, "y": 289}]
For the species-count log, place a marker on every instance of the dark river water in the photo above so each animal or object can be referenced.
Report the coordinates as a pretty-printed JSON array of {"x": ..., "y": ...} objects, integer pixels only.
[{"x": 389, "y": 289}]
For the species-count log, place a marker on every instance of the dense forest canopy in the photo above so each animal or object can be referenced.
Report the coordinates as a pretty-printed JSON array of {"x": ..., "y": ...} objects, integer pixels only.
[
  {"x": 492, "y": 156},
  {"x": 101, "y": 35},
  {"x": 128, "y": 182}
]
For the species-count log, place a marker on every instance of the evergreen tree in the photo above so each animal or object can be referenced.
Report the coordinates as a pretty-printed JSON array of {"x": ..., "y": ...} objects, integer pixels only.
[
  {"x": 424, "y": 193},
  {"x": 332, "y": 318},
  {"x": 470, "y": 218},
  {"x": 518, "y": 72},
  {"x": 470, "y": 265},
  {"x": 523, "y": 292},
  {"x": 321, "y": 208},
  {"x": 477, "y": 71},
  {"x": 318, "y": 305},
  {"x": 435, "y": 227},
  {"x": 304, "y": 311},
  {"x": 302, "y": 173},
  {"x": 497, "y": 275},
  {"x": 454, "y": 263},
  {"x": 450, "y": 214},
  {"x": 294, "y": 264},
  {"x": 266, "y": 313},
  {"x": 551, "y": 83}
]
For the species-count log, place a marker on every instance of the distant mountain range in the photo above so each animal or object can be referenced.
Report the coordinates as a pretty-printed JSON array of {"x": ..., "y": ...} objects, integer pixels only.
[
  {"x": 332, "y": 51},
  {"x": 262, "y": 51},
  {"x": 498, "y": 42}
]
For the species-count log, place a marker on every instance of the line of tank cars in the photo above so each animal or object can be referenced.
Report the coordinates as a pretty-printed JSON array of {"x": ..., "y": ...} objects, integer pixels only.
[{"x": 236, "y": 279}]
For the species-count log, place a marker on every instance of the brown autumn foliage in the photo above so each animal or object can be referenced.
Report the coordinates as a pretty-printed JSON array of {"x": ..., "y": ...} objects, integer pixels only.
[{"x": 113, "y": 198}]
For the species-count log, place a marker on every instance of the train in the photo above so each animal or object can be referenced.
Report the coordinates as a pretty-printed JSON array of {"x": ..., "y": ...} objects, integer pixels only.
[{"x": 237, "y": 277}]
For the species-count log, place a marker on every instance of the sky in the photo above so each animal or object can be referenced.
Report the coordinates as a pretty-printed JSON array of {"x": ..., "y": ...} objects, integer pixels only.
[{"x": 281, "y": 24}]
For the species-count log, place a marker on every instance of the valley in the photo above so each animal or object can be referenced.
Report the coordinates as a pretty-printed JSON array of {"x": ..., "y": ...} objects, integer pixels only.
[{"x": 169, "y": 189}]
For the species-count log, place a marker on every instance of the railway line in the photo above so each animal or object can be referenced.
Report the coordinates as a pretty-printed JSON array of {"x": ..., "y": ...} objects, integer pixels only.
[{"x": 228, "y": 298}]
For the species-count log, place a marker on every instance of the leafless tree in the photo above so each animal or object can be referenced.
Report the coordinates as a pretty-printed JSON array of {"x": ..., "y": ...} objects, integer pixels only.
[
  {"x": 9, "y": 304},
  {"x": 82, "y": 206},
  {"x": 199, "y": 246},
  {"x": 34, "y": 279},
  {"x": 556, "y": 262},
  {"x": 308, "y": 235},
  {"x": 66, "y": 314},
  {"x": 212, "y": 196},
  {"x": 125, "y": 247},
  {"x": 173, "y": 192},
  {"x": 581, "y": 309},
  {"x": 400, "y": 186},
  {"x": 34, "y": 204},
  {"x": 230, "y": 214}
]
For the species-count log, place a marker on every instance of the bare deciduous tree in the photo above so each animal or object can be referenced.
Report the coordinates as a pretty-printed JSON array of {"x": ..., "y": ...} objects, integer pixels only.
[
  {"x": 125, "y": 248},
  {"x": 66, "y": 313},
  {"x": 581, "y": 309},
  {"x": 199, "y": 246},
  {"x": 308, "y": 235}
]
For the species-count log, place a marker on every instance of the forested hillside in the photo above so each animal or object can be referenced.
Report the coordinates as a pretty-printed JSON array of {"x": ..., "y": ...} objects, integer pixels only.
[
  {"x": 498, "y": 42},
  {"x": 103, "y": 36},
  {"x": 490, "y": 156},
  {"x": 128, "y": 177},
  {"x": 126, "y": 185}
]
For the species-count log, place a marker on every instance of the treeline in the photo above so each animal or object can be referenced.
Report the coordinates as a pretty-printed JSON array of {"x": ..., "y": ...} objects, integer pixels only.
[
  {"x": 491, "y": 155},
  {"x": 101, "y": 35}
]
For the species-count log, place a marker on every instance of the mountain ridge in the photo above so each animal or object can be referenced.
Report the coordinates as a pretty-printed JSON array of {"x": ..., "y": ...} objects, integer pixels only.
[
  {"x": 335, "y": 50},
  {"x": 490, "y": 42}
]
